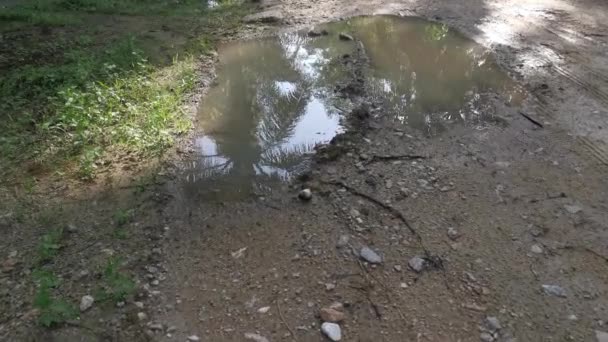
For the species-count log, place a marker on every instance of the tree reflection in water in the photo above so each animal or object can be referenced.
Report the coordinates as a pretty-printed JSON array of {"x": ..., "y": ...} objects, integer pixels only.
[{"x": 272, "y": 104}]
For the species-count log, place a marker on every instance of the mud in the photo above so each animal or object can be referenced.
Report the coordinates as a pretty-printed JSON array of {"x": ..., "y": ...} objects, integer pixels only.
[{"x": 503, "y": 185}]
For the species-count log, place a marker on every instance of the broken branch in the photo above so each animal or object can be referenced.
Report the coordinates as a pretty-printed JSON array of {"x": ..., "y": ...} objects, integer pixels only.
[{"x": 531, "y": 119}]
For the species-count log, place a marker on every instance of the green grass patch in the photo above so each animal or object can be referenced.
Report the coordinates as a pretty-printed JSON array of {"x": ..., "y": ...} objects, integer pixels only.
[
  {"x": 49, "y": 245},
  {"x": 75, "y": 100},
  {"x": 117, "y": 286},
  {"x": 38, "y": 18},
  {"x": 53, "y": 310},
  {"x": 91, "y": 102},
  {"x": 64, "y": 12}
]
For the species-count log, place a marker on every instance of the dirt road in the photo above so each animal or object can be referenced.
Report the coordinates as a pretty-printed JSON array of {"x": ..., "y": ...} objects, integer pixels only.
[
  {"x": 528, "y": 205},
  {"x": 507, "y": 220}
]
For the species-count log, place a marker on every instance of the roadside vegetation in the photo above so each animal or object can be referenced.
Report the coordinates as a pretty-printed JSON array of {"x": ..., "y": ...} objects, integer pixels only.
[{"x": 86, "y": 82}]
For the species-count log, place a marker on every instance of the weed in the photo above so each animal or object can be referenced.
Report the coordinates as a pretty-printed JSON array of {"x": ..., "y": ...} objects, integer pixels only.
[
  {"x": 120, "y": 234},
  {"x": 117, "y": 285},
  {"x": 49, "y": 245},
  {"x": 122, "y": 217},
  {"x": 52, "y": 310}
]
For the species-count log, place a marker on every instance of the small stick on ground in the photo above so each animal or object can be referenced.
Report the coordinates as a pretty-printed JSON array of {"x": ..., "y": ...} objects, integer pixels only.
[
  {"x": 376, "y": 158},
  {"x": 433, "y": 260},
  {"x": 389, "y": 208},
  {"x": 284, "y": 321},
  {"x": 388, "y": 290},
  {"x": 531, "y": 119}
]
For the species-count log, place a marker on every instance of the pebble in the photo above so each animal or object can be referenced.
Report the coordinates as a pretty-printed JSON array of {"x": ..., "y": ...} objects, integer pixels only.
[
  {"x": 601, "y": 336},
  {"x": 342, "y": 241},
  {"x": 344, "y": 36},
  {"x": 404, "y": 192},
  {"x": 453, "y": 233},
  {"x": 142, "y": 316},
  {"x": 397, "y": 268},
  {"x": 193, "y": 338},
  {"x": 139, "y": 305},
  {"x": 305, "y": 195},
  {"x": 536, "y": 249},
  {"x": 86, "y": 302},
  {"x": 330, "y": 286},
  {"x": 554, "y": 290},
  {"x": 255, "y": 337},
  {"x": 370, "y": 256},
  {"x": 331, "y": 315},
  {"x": 332, "y": 331},
  {"x": 493, "y": 323},
  {"x": 389, "y": 184},
  {"x": 264, "y": 309},
  {"x": 572, "y": 208},
  {"x": 417, "y": 264},
  {"x": 485, "y": 337}
]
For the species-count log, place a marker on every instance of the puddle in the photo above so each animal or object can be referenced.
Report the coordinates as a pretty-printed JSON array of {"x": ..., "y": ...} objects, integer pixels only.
[
  {"x": 275, "y": 99},
  {"x": 427, "y": 76}
]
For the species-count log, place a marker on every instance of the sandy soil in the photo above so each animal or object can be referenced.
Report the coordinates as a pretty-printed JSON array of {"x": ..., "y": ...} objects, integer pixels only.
[{"x": 528, "y": 205}]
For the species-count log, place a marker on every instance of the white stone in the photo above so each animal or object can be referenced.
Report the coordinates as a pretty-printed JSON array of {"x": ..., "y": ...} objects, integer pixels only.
[
  {"x": 572, "y": 208},
  {"x": 255, "y": 337},
  {"x": 305, "y": 195},
  {"x": 554, "y": 290},
  {"x": 370, "y": 256},
  {"x": 264, "y": 309},
  {"x": 332, "y": 331},
  {"x": 417, "y": 264},
  {"x": 86, "y": 302},
  {"x": 536, "y": 249}
]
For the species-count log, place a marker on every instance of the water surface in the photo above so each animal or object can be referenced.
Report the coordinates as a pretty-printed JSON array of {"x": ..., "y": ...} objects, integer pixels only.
[{"x": 275, "y": 99}]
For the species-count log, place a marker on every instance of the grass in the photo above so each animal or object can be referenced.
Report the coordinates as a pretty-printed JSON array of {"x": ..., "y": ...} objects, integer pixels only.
[
  {"x": 53, "y": 310},
  {"x": 121, "y": 218},
  {"x": 117, "y": 286},
  {"x": 92, "y": 102},
  {"x": 49, "y": 245},
  {"x": 94, "y": 94}
]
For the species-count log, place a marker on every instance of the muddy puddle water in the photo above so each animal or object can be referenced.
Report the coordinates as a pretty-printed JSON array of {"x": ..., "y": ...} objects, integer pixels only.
[{"x": 276, "y": 98}]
